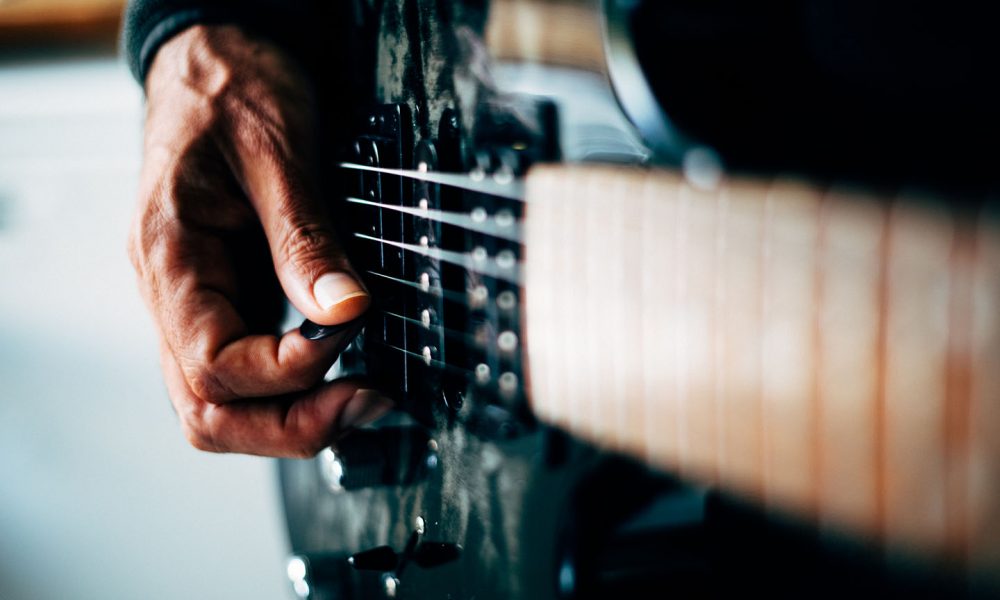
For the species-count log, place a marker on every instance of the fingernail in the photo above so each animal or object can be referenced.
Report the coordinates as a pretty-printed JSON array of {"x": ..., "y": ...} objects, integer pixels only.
[
  {"x": 335, "y": 288},
  {"x": 363, "y": 408}
]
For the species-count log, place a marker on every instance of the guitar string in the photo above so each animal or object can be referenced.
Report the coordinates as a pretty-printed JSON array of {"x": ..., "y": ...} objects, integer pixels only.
[
  {"x": 497, "y": 227},
  {"x": 444, "y": 365},
  {"x": 450, "y": 295},
  {"x": 509, "y": 187},
  {"x": 469, "y": 340},
  {"x": 512, "y": 190},
  {"x": 481, "y": 265},
  {"x": 460, "y": 298}
]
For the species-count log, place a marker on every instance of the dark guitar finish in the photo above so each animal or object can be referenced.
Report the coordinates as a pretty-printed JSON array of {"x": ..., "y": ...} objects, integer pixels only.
[
  {"x": 463, "y": 455},
  {"x": 460, "y": 493}
]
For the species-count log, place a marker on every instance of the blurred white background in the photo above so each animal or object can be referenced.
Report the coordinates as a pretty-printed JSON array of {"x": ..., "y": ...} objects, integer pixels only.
[{"x": 100, "y": 496}]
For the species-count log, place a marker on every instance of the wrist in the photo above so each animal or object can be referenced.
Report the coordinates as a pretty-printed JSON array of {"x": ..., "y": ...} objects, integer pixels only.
[{"x": 199, "y": 58}]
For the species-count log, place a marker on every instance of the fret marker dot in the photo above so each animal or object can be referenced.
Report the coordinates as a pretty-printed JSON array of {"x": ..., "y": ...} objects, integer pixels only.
[
  {"x": 507, "y": 341},
  {"x": 479, "y": 254},
  {"x": 425, "y": 282},
  {"x": 506, "y": 259},
  {"x": 427, "y": 355},
  {"x": 482, "y": 374},
  {"x": 424, "y": 241},
  {"x": 506, "y": 300},
  {"x": 424, "y": 204},
  {"x": 478, "y": 214},
  {"x": 425, "y": 318},
  {"x": 422, "y": 167},
  {"x": 477, "y": 174}
]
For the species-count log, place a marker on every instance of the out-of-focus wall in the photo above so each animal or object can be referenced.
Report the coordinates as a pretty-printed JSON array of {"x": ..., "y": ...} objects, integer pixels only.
[
  {"x": 100, "y": 496},
  {"x": 43, "y": 22}
]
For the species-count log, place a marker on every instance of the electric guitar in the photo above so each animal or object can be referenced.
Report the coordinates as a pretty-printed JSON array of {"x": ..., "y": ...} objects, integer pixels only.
[{"x": 620, "y": 369}]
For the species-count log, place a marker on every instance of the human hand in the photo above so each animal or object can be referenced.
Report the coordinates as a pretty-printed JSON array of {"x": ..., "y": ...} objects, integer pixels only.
[{"x": 228, "y": 218}]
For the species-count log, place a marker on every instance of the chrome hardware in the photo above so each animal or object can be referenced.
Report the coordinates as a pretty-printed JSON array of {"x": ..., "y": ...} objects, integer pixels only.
[
  {"x": 507, "y": 341},
  {"x": 478, "y": 296},
  {"x": 297, "y": 571},
  {"x": 508, "y": 384},
  {"x": 504, "y": 175},
  {"x": 390, "y": 584},
  {"x": 482, "y": 374},
  {"x": 504, "y": 218},
  {"x": 507, "y": 300},
  {"x": 331, "y": 470},
  {"x": 506, "y": 259},
  {"x": 376, "y": 457}
]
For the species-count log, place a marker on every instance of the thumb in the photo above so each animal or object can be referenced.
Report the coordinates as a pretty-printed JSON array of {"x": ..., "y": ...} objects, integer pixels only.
[{"x": 308, "y": 259}]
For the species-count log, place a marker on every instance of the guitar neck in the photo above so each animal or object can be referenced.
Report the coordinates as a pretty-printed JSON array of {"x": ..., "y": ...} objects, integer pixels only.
[{"x": 827, "y": 354}]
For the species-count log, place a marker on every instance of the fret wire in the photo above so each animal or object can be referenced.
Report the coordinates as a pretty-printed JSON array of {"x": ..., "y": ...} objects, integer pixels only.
[
  {"x": 434, "y": 363},
  {"x": 512, "y": 190},
  {"x": 462, "y": 259},
  {"x": 462, "y": 220}
]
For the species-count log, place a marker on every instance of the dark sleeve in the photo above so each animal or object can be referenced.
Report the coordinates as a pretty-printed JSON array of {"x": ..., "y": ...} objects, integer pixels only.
[{"x": 150, "y": 23}]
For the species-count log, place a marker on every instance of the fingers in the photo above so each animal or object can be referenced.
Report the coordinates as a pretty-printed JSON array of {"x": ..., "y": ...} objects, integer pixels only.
[
  {"x": 308, "y": 259},
  {"x": 293, "y": 426},
  {"x": 189, "y": 282},
  {"x": 225, "y": 126}
]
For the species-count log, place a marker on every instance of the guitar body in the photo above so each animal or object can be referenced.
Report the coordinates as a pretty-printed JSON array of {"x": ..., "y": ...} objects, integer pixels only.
[
  {"x": 469, "y": 461},
  {"x": 461, "y": 493}
]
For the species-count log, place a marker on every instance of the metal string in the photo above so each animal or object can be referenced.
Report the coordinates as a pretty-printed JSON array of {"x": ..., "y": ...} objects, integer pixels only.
[
  {"x": 500, "y": 185},
  {"x": 467, "y": 339},
  {"x": 457, "y": 297},
  {"x": 492, "y": 227},
  {"x": 433, "y": 362},
  {"x": 483, "y": 266}
]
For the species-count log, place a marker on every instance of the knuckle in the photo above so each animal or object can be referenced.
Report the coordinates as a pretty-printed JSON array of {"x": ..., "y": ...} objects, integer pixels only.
[
  {"x": 304, "y": 245},
  {"x": 304, "y": 451},
  {"x": 308, "y": 436},
  {"x": 206, "y": 385},
  {"x": 197, "y": 431},
  {"x": 198, "y": 439},
  {"x": 150, "y": 228},
  {"x": 310, "y": 445}
]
